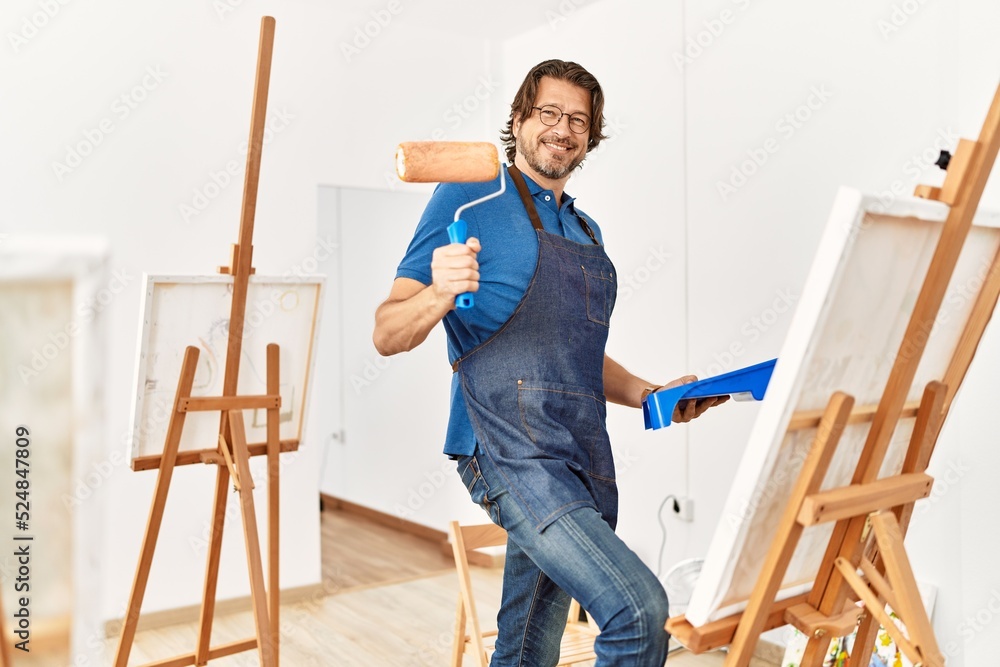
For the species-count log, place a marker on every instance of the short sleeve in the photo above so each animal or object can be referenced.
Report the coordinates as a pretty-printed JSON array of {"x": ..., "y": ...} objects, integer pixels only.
[{"x": 432, "y": 232}]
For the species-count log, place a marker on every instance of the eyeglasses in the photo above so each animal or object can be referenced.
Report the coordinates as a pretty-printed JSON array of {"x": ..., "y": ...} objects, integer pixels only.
[{"x": 551, "y": 115}]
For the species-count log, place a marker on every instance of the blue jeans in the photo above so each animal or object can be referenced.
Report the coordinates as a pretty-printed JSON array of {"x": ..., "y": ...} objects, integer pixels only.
[{"x": 577, "y": 556}]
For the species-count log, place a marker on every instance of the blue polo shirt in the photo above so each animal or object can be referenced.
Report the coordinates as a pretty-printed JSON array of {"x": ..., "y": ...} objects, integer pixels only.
[{"x": 506, "y": 264}]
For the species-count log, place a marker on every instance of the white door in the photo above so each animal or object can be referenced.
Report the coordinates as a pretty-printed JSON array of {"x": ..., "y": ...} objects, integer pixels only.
[{"x": 381, "y": 407}]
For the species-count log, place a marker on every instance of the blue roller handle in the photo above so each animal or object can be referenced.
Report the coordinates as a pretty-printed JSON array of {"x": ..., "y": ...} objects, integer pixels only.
[{"x": 458, "y": 232}]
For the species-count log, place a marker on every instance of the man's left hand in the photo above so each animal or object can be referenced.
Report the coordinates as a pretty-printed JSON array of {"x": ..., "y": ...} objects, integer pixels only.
[{"x": 692, "y": 408}]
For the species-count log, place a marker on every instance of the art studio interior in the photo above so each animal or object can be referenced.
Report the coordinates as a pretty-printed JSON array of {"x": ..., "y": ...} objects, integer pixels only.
[{"x": 790, "y": 201}]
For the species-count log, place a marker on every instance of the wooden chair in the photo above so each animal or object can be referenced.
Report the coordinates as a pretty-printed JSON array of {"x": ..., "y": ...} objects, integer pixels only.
[{"x": 578, "y": 639}]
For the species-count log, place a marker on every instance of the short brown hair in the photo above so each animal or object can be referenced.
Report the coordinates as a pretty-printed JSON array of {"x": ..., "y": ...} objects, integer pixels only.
[{"x": 563, "y": 71}]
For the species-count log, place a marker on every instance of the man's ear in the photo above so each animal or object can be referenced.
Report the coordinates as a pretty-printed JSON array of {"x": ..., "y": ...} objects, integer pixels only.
[{"x": 516, "y": 125}]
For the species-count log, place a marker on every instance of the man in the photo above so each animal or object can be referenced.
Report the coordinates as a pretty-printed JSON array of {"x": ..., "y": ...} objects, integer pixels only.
[{"x": 527, "y": 424}]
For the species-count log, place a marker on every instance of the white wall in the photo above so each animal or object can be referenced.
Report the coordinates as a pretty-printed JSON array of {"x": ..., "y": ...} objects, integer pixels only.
[{"x": 676, "y": 132}]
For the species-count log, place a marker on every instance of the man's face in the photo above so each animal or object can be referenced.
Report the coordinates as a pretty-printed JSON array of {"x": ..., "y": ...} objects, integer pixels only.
[{"x": 553, "y": 151}]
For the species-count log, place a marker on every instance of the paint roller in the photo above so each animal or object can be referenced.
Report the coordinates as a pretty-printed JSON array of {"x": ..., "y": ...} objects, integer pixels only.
[{"x": 451, "y": 162}]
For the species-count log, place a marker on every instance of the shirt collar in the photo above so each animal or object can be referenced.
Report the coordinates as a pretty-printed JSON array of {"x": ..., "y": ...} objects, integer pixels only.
[{"x": 535, "y": 189}]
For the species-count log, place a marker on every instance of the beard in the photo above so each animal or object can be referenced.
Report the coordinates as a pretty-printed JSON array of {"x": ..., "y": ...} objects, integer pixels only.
[{"x": 549, "y": 165}]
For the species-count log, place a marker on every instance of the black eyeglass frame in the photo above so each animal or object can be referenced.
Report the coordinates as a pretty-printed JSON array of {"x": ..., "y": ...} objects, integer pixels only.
[{"x": 562, "y": 113}]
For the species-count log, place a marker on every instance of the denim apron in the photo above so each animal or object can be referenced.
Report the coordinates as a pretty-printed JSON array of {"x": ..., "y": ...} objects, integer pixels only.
[{"x": 534, "y": 390}]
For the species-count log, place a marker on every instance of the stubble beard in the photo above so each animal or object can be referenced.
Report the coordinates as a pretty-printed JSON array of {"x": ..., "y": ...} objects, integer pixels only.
[{"x": 551, "y": 168}]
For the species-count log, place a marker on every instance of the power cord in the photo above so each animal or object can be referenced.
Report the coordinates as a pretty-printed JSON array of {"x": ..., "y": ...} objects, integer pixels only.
[{"x": 663, "y": 530}]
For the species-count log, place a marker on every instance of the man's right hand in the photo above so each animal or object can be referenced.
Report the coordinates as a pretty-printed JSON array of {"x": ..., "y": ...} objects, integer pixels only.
[
  {"x": 455, "y": 271},
  {"x": 404, "y": 319}
]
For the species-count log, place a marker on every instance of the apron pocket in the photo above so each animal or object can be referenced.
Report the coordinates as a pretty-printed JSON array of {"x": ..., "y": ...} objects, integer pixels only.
[
  {"x": 567, "y": 422},
  {"x": 600, "y": 294}
]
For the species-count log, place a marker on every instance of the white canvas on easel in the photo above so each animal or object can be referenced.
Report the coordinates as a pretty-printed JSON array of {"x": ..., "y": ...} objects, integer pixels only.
[
  {"x": 194, "y": 310},
  {"x": 844, "y": 336},
  {"x": 895, "y": 308}
]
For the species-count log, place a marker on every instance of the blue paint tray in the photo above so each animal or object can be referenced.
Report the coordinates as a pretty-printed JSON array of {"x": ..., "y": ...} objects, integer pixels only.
[{"x": 744, "y": 384}]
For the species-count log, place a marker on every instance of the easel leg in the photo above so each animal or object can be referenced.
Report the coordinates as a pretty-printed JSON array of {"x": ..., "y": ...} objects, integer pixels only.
[
  {"x": 212, "y": 569},
  {"x": 925, "y": 432},
  {"x": 865, "y": 640},
  {"x": 905, "y": 591},
  {"x": 815, "y": 652},
  {"x": 273, "y": 503},
  {"x": 172, "y": 444},
  {"x": 254, "y": 565},
  {"x": 458, "y": 643},
  {"x": 786, "y": 537},
  {"x": 830, "y": 591}
]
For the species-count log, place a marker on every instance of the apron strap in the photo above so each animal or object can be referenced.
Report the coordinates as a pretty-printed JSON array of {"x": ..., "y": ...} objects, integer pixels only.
[
  {"x": 529, "y": 204},
  {"x": 522, "y": 190},
  {"x": 536, "y": 222}
]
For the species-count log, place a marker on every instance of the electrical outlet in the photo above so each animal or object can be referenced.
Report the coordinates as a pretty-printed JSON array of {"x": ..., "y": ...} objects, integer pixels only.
[{"x": 684, "y": 508}]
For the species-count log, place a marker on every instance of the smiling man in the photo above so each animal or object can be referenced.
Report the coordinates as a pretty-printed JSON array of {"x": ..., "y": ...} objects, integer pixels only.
[{"x": 531, "y": 381}]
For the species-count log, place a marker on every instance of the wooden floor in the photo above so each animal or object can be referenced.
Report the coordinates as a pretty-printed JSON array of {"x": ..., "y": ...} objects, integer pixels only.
[{"x": 390, "y": 604}]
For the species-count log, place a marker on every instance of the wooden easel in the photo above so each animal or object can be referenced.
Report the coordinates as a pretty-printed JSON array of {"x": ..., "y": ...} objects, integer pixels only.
[
  {"x": 232, "y": 457},
  {"x": 872, "y": 514}
]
